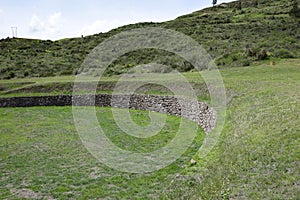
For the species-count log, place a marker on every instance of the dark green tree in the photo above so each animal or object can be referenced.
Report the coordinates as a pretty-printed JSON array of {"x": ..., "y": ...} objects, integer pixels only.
[
  {"x": 215, "y": 2},
  {"x": 239, "y": 6},
  {"x": 295, "y": 11}
]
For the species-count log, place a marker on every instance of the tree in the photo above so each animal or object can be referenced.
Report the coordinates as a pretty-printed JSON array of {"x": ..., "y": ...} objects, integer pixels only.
[
  {"x": 239, "y": 6},
  {"x": 215, "y": 2},
  {"x": 295, "y": 9},
  {"x": 255, "y": 3}
]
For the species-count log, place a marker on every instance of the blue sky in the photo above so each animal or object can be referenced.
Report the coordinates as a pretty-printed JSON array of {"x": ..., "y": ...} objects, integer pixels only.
[{"x": 56, "y": 19}]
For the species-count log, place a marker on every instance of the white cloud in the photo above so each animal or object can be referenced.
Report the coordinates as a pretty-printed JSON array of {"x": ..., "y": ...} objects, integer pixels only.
[
  {"x": 1, "y": 11},
  {"x": 96, "y": 26},
  {"x": 55, "y": 21},
  {"x": 36, "y": 24},
  {"x": 52, "y": 24}
]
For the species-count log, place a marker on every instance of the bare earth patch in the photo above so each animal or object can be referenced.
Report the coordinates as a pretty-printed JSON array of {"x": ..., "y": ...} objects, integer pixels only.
[{"x": 26, "y": 193}]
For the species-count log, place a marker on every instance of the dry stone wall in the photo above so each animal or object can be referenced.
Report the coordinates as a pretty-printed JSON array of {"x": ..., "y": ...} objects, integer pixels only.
[{"x": 196, "y": 111}]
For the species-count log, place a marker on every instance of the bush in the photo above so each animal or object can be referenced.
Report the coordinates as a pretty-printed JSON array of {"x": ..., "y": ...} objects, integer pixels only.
[
  {"x": 295, "y": 10},
  {"x": 262, "y": 55},
  {"x": 66, "y": 72},
  {"x": 234, "y": 58},
  {"x": 12, "y": 75},
  {"x": 244, "y": 62},
  {"x": 26, "y": 73},
  {"x": 283, "y": 53}
]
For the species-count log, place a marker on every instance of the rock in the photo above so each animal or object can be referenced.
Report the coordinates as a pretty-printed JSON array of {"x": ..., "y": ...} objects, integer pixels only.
[{"x": 193, "y": 162}]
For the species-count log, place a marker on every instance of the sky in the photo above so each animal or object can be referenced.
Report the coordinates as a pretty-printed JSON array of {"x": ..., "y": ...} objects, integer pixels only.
[{"x": 57, "y": 19}]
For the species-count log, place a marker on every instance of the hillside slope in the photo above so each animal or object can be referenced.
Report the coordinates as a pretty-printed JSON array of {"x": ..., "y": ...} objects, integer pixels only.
[{"x": 233, "y": 35}]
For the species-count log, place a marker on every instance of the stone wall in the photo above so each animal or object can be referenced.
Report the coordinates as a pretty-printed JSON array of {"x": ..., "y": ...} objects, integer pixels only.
[{"x": 193, "y": 110}]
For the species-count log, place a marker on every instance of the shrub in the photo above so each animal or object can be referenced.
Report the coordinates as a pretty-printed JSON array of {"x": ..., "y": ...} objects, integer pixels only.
[
  {"x": 11, "y": 75},
  {"x": 262, "y": 55},
  {"x": 26, "y": 73},
  {"x": 283, "y": 53},
  {"x": 244, "y": 62},
  {"x": 295, "y": 11},
  {"x": 66, "y": 72},
  {"x": 234, "y": 58}
]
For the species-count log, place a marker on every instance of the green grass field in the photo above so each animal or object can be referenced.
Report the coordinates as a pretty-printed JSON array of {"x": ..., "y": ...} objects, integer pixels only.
[
  {"x": 257, "y": 156},
  {"x": 41, "y": 152}
]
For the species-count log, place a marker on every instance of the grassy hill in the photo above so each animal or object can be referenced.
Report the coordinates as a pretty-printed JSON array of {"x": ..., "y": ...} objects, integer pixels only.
[{"x": 234, "y": 35}]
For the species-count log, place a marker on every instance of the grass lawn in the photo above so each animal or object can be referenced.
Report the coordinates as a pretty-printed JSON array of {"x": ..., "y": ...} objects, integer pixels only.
[
  {"x": 257, "y": 156},
  {"x": 258, "y": 153},
  {"x": 42, "y": 156}
]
